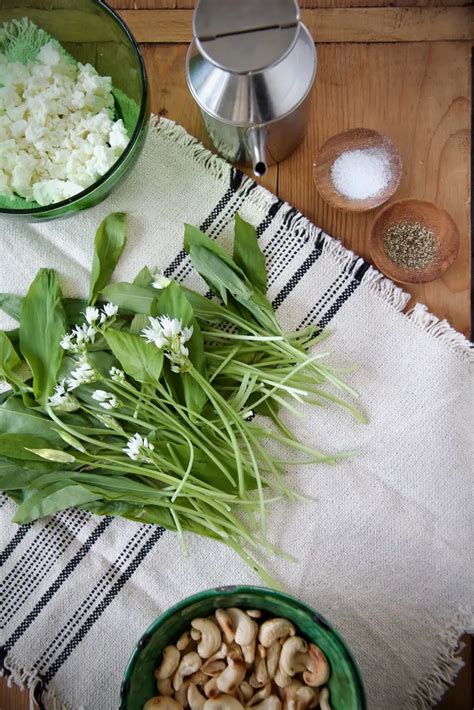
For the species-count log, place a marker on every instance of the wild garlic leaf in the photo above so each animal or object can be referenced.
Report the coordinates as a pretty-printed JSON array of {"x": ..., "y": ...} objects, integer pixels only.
[
  {"x": 193, "y": 237},
  {"x": 13, "y": 476},
  {"x": 110, "y": 241},
  {"x": 54, "y": 455},
  {"x": 142, "y": 361},
  {"x": 18, "y": 446},
  {"x": 52, "y": 499},
  {"x": 9, "y": 361},
  {"x": 11, "y": 305},
  {"x": 248, "y": 255},
  {"x": 143, "y": 278},
  {"x": 16, "y": 418},
  {"x": 130, "y": 297},
  {"x": 74, "y": 309},
  {"x": 218, "y": 274},
  {"x": 42, "y": 325},
  {"x": 173, "y": 303}
]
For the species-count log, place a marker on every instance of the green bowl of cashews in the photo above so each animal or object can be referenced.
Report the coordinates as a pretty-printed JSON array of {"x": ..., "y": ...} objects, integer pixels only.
[{"x": 241, "y": 647}]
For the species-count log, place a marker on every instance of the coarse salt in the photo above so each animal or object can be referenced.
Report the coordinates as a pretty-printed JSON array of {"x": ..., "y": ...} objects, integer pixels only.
[{"x": 360, "y": 174}]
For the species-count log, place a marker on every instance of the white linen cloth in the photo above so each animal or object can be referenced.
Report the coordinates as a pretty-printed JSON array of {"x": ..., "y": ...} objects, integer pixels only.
[{"x": 384, "y": 548}]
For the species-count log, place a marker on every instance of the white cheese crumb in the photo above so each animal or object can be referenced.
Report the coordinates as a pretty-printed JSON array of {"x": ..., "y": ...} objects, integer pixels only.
[{"x": 57, "y": 133}]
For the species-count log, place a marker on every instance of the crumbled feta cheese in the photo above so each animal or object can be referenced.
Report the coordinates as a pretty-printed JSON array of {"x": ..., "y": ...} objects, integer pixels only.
[{"x": 57, "y": 131}]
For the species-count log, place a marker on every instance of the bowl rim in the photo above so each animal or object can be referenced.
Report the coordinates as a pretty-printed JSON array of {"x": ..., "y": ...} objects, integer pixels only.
[
  {"x": 230, "y": 591},
  {"x": 133, "y": 138}
]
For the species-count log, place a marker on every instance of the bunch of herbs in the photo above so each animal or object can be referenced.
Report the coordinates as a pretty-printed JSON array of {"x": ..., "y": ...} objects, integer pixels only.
[{"x": 153, "y": 402}]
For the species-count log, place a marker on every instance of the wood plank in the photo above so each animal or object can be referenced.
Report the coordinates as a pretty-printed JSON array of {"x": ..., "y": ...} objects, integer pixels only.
[
  {"x": 306, "y": 4},
  {"x": 419, "y": 95},
  {"x": 366, "y": 24},
  {"x": 170, "y": 96}
]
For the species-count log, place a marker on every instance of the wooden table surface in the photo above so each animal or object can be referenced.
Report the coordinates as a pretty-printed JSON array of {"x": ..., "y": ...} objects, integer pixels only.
[{"x": 402, "y": 67}]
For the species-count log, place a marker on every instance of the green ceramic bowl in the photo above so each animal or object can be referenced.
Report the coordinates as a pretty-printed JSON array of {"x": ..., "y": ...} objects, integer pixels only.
[
  {"x": 92, "y": 32},
  {"x": 345, "y": 684}
]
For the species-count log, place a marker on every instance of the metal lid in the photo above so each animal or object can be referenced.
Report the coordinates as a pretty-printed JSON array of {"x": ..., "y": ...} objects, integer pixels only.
[{"x": 242, "y": 36}]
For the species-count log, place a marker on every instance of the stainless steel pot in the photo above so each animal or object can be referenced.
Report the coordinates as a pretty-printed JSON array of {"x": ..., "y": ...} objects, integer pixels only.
[{"x": 250, "y": 68}]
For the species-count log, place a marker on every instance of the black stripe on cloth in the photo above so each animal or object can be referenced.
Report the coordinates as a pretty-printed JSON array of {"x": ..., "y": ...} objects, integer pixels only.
[
  {"x": 98, "y": 611},
  {"x": 34, "y": 565},
  {"x": 359, "y": 269},
  {"x": 226, "y": 215},
  {"x": 59, "y": 581},
  {"x": 14, "y": 542},
  {"x": 94, "y": 596},
  {"x": 310, "y": 260},
  {"x": 236, "y": 178}
]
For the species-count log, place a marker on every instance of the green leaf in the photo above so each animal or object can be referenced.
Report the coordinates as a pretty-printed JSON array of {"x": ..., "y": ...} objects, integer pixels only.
[
  {"x": 193, "y": 238},
  {"x": 54, "y": 455},
  {"x": 16, "y": 446},
  {"x": 129, "y": 297},
  {"x": 52, "y": 499},
  {"x": 139, "y": 513},
  {"x": 142, "y": 361},
  {"x": 15, "y": 418},
  {"x": 74, "y": 309},
  {"x": 42, "y": 324},
  {"x": 9, "y": 361},
  {"x": 248, "y": 255},
  {"x": 204, "y": 308},
  {"x": 14, "y": 477},
  {"x": 220, "y": 277},
  {"x": 11, "y": 305},
  {"x": 173, "y": 303},
  {"x": 143, "y": 278},
  {"x": 110, "y": 241}
]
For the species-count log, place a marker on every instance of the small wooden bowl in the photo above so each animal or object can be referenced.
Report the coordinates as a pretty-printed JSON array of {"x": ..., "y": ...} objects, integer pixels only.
[
  {"x": 355, "y": 139},
  {"x": 430, "y": 216}
]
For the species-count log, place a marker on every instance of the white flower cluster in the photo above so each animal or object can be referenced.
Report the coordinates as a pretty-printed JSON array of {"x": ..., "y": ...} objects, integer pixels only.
[
  {"x": 170, "y": 335},
  {"x": 137, "y": 447},
  {"x": 62, "y": 399},
  {"x": 107, "y": 400},
  {"x": 160, "y": 281},
  {"x": 82, "y": 374},
  {"x": 57, "y": 132},
  {"x": 81, "y": 335}
]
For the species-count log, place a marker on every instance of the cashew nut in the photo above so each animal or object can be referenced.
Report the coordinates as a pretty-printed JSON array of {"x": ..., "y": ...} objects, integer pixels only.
[
  {"x": 225, "y": 623},
  {"x": 254, "y": 613},
  {"x": 261, "y": 673},
  {"x": 195, "y": 635},
  {"x": 165, "y": 686},
  {"x": 248, "y": 652},
  {"x": 317, "y": 667},
  {"x": 274, "y": 629},
  {"x": 307, "y": 698},
  {"x": 184, "y": 641},
  {"x": 282, "y": 679},
  {"x": 181, "y": 695},
  {"x": 270, "y": 703},
  {"x": 195, "y": 699},
  {"x": 293, "y": 656},
  {"x": 169, "y": 664},
  {"x": 223, "y": 702},
  {"x": 273, "y": 658},
  {"x": 198, "y": 678},
  {"x": 324, "y": 699},
  {"x": 262, "y": 694},
  {"x": 213, "y": 668},
  {"x": 246, "y": 691},
  {"x": 190, "y": 663},
  {"x": 246, "y": 629},
  {"x": 211, "y": 689},
  {"x": 232, "y": 676},
  {"x": 210, "y": 637},
  {"x": 162, "y": 702}
]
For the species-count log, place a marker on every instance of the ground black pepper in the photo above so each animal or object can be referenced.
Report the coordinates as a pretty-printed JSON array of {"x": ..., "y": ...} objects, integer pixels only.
[{"x": 411, "y": 245}]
